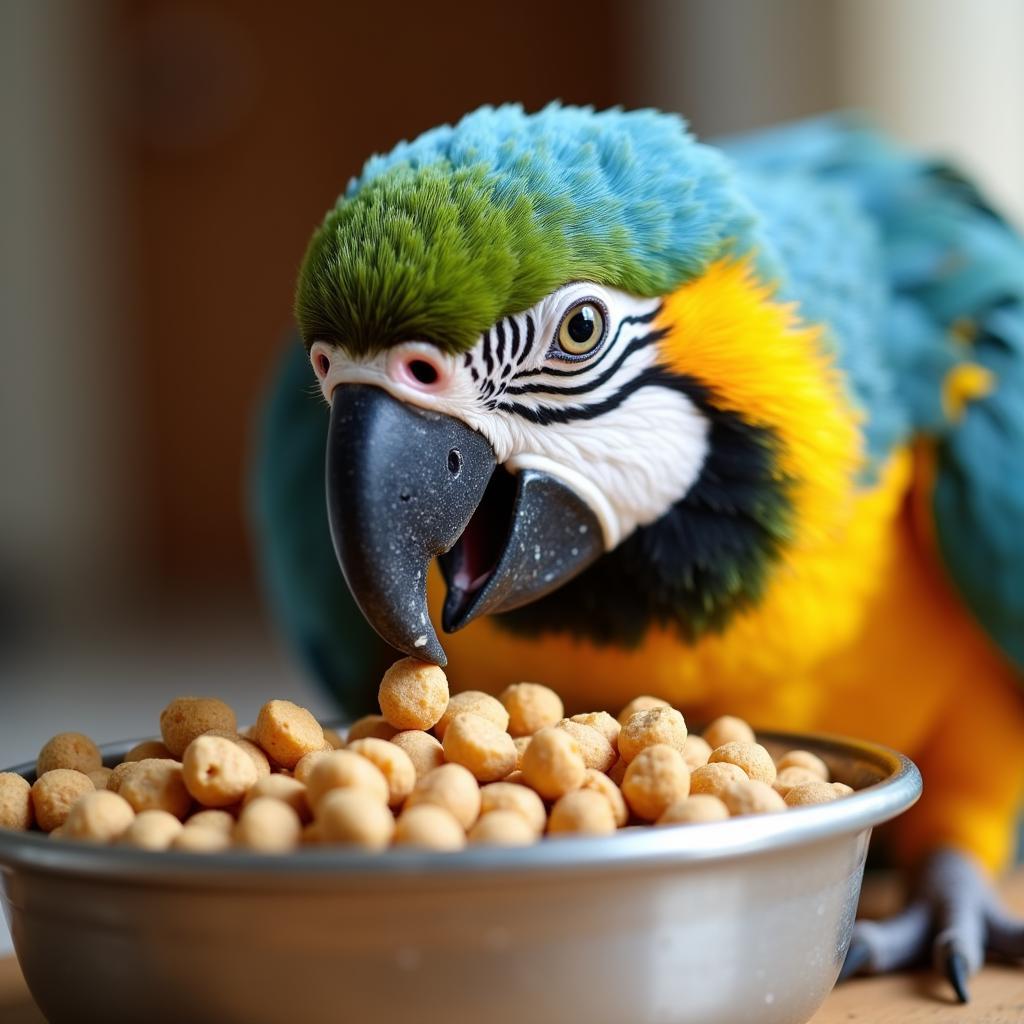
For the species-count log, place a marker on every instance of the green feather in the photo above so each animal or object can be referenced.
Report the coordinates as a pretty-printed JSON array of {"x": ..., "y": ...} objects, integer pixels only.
[{"x": 442, "y": 237}]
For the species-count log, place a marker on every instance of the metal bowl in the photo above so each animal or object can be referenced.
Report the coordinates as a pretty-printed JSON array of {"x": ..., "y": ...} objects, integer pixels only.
[{"x": 735, "y": 921}]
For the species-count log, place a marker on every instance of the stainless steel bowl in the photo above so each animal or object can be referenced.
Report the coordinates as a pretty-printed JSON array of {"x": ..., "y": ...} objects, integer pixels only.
[{"x": 746, "y": 920}]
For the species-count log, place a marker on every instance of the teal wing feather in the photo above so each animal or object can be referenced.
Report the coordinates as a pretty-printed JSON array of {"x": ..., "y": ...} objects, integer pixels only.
[
  {"x": 305, "y": 588},
  {"x": 953, "y": 271}
]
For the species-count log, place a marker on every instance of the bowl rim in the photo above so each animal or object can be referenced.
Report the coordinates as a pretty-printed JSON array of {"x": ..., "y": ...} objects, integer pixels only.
[{"x": 718, "y": 841}]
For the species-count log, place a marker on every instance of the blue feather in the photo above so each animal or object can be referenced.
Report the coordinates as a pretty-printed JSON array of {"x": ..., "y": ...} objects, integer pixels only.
[{"x": 948, "y": 261}]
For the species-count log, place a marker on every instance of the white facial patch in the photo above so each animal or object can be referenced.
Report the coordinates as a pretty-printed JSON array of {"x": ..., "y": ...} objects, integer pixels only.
[{"x": 605, "y": 423}]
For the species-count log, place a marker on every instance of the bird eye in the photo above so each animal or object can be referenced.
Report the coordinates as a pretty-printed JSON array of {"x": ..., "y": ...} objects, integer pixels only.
[{"x": 582, "y": 328}]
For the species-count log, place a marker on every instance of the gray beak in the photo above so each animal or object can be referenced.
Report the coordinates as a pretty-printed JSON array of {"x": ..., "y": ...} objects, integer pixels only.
[{"x": 406, "y": 485}]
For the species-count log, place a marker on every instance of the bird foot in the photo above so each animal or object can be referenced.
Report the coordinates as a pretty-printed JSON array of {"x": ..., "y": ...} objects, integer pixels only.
[{"x": 954, "y": 913}]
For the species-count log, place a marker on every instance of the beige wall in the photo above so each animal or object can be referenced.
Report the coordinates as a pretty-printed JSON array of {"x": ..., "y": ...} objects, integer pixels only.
[{"x": 943, "y": 75}]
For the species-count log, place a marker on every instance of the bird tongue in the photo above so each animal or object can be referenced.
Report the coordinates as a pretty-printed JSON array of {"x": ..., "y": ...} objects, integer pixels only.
[
  {"x": 473, "y": 558},
  {"x": 530, "y": 534}
]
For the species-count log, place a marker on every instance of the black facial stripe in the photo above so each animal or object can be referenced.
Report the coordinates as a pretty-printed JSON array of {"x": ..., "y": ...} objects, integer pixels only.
[
  {"x": 467, "y": 359},
  {"x": 531, "y": 328},
  {"x": 635, "y": 345},
  {"x": 652, "y": 376},
  {"x": 499, "y": 330},
  {"x": 514, "y": 347},
  {"x": 488, "y": 361},
  {"x": 644, "y": 318}
]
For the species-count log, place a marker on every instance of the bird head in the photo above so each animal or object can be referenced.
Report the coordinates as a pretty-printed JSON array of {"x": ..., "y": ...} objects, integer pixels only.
[{"x": 552, "y": 356}]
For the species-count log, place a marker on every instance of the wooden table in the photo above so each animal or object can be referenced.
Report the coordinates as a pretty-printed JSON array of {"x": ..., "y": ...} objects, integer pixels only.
[{"x": 997, "y": 993}]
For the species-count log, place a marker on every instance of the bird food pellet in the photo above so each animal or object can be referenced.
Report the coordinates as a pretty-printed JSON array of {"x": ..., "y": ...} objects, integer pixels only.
[
  {"x": 696, "y": 751},
  {"x": 355, "y": 817},
  {"x": 425, "y": 751},
  {"x": 530, "y": 707},
  {"x": 582, "y": 812},
  {"x": 287, "y": 732},
  {"x": 256, "y": 755},
  {"x": 118, "y": 774},
  {"x": 793, "y": 776},
  {"x": 521, "y": 743},
  {"x": 478, "y": 744},
  {"x": 803, "y": 759},
  {"x": 413, "y": 694},
  {"x": 643, "y": 703},
  {"x": 596, "y": 750},
  {"x": 601, "y": 783},
  {"x": 54, "y": 794},
  {"x": 728, "y": 729},
  {"x": 646, "y": 728},
  {"x": 553, "y": 764},
  {"x": 472, "y": 702},
  {"x": 452, "y": 787},
  {"x": 185, "y": 718},
  {"x": 431, "y": 772},
  {"x": 69, "y": 750},
  {"x": 751, "y": 757},
  {"x": 146, "y": 749},
  {"x": 751, "y": 796},
  {"x": 607, "y": 726},
  {"x": 393, "y": 763},
  {"x": 693, "y": 809},
  {"x": 99, "y": 777},
  {"x": 655, "y": 779},
  {"x": 157, "y": 784},
  {"x": 429, "y": 827},
  {"x": 152, "y": 830},
  {"x": 374, "y": 726},
  {"x": 288, "y": 790},
  {"x": 15, "y": 802},
  {"x": 219, "y": 821},
  {"x": 344, "y": 769},
  {"x": 217, "y": 772},
  {"x": 502, "y": 828},
  {"x": 808, "y": 793},
  {"x": 99, "y": 817},
  {"x": 713, "y": 778},
  {"x": 507, "y": 796},
  {"x": 304, "y": 768},
  {"x": 268, "y": 825},
  {"x": 201, "y": 840}
]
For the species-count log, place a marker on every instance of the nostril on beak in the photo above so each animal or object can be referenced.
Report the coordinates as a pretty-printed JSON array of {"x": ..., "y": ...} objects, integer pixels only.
[{"x": 417, "y": 366}]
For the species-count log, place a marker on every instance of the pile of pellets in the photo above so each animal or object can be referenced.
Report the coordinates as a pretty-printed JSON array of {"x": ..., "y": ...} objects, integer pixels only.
[{"x": 431, "y": 771}]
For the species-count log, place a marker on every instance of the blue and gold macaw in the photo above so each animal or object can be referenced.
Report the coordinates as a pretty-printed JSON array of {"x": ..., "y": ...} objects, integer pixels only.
[{"x": 741, "y": 427}]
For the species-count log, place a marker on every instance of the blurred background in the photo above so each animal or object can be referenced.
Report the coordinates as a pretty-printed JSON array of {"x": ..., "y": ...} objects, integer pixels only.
[{"x": 164, "y": 162}]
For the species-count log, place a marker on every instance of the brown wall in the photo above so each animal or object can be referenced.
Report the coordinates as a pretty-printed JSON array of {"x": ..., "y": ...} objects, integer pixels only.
[{"x": 242, "y": 123}]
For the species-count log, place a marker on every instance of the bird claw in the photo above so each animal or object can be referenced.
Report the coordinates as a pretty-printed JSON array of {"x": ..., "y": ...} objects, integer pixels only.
[
  {"x": 955, "y": 969},
  {"x": 954, "y": 913}
]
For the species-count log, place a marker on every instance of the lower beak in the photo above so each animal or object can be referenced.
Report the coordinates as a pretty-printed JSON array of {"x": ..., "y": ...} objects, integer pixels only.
[{"x": 406, "y": 485}]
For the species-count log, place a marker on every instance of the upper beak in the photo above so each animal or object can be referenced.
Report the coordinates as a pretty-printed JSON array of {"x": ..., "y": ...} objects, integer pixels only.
[{"x": 406, "y": 485}]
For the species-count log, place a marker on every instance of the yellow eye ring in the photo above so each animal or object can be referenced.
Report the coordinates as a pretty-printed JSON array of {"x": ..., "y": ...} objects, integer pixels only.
[{"x": 582, "y": 328}]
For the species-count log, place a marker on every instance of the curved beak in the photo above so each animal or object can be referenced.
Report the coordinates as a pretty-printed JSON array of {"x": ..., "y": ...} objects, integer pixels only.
[{"x": 406, "y": 485}]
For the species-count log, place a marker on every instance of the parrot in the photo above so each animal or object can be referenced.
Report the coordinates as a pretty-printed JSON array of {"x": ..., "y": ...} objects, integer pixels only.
[{"x": 737, "y": 424}]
